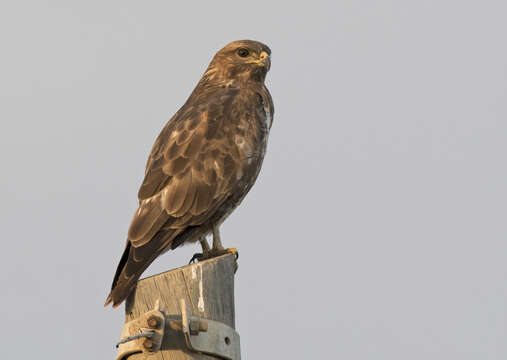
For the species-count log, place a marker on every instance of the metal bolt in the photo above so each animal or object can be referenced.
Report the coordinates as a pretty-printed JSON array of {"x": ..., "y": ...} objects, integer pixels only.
[
  {"x": 148, "y": 344},
  {"x": 203, "y": 326},
  {"x": 194, "y": 327},
  {"x": 154, "y": 322}
]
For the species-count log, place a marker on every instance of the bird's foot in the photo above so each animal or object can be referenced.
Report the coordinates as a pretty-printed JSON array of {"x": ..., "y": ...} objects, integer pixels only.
[
  {"x": 233, "y": 251},
  {"x": 197, "y": 257},
  {"x": 220, "y": 252}
]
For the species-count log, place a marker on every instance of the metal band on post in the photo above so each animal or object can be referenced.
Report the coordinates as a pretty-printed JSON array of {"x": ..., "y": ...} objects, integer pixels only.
[{"x": 204, "y": 336}]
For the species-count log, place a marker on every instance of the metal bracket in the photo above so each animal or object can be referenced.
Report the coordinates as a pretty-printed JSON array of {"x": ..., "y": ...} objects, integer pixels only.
[
  {"x": 209, "y": 337},
  {"x": 143, "y": 334}
]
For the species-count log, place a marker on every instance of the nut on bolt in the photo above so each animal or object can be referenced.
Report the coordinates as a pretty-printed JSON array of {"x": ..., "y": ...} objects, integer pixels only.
[
  {"x": 154, "y": 322},
  {"x": 196, "y": 326},
  {"x": 148, "y": 344},
  {"x": 203, "y": 326}
]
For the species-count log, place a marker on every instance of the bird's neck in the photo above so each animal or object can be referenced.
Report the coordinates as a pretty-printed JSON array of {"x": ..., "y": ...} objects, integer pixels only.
[{"x": 224, "y": 76}]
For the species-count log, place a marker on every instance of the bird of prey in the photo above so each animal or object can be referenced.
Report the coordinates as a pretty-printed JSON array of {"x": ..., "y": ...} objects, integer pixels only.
[{"x": 202, "y": 164}]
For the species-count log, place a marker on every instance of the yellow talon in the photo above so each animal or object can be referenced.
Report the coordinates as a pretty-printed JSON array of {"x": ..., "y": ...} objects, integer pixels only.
[{"x": 233, "y": 251}]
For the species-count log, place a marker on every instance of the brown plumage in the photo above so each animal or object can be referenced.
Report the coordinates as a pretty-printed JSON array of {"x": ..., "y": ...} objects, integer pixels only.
[{"x": 202, "y": 164}]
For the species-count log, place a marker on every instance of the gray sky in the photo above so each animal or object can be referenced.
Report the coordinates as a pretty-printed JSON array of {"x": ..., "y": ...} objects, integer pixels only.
[{"x": 376, "y": 229}]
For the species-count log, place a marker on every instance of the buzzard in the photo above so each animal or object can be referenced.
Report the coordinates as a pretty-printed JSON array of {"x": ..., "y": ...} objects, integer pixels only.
[{"x": 202, "y": 164}]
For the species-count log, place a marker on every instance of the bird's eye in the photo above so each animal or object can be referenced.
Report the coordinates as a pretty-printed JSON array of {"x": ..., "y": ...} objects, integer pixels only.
[{"x": 243, "y": 52}]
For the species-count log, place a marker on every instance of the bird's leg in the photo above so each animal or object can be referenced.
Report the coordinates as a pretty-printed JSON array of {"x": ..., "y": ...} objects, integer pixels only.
[
  {"x": 217, "y": 242},
  {"x": 205, "y": 251},
  {"x": 217, "y": 248},
  {"x": 204, "y": 245}
]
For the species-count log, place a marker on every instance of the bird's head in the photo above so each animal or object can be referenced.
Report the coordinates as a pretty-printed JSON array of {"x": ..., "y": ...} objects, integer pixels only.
[{"x": 242, "y": 61}]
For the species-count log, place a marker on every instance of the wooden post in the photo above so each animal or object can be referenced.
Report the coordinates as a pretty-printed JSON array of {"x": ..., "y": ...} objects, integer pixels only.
[{"x": 208, "y": 289}]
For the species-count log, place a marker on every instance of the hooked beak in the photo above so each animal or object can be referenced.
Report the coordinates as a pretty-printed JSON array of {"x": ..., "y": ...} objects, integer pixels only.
[{"x": 264, "y": 60}]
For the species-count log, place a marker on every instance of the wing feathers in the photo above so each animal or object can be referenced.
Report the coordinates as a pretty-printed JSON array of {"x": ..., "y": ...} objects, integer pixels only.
[
  {"x": 195, "y": 166},
  {"x": 194, "y": 146},
  {"x": 175, "y": 193},
  {"x": 187, "y": 203},
  {"x": 147, "y": 220}
]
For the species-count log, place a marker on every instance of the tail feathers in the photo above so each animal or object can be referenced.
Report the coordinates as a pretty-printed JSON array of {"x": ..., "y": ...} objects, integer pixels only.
[
  {"x": 109, "y": 300},
  {"x": 121, "y": 291},
  {"x": 126, "y": 276},
  {"x": 132, "y": 264}
]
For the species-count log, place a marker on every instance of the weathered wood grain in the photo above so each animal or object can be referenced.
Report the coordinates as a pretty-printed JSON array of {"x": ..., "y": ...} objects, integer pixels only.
[{"x": 208, "y": 289}]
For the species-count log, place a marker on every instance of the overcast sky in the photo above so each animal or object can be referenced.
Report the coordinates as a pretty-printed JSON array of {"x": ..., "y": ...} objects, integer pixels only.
[{"x": 377, "y": 227}]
